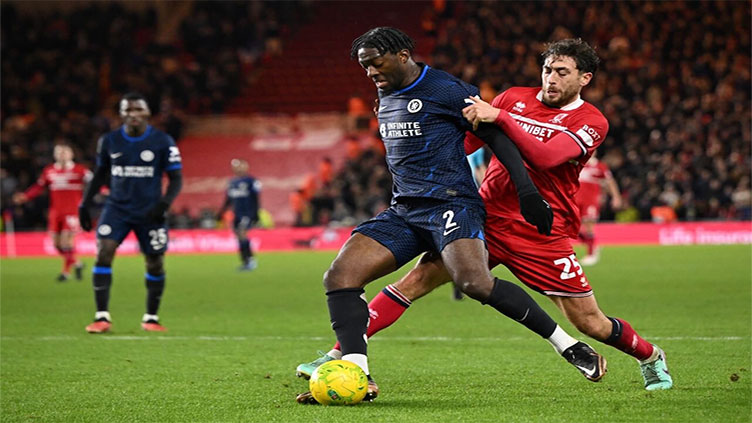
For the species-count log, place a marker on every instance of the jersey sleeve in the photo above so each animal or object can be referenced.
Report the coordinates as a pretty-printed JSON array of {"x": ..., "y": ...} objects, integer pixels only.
[
  {"x": 472, "y": 142},
  {"x": 103, "y": 154},
  {"x": 44, "y": 178},
  {"x": 38, "y": 187},
  {"x": 588, "y": 132},
  {"x": 498, "y": 101},
  {"x": 174, "y": 161},
  {"x": 456, "y": 96},
  {"x": 86, "y": 175}
]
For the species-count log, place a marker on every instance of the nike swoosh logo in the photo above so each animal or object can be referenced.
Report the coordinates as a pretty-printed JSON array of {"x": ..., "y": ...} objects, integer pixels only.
[
  {"x": 450, "y": 231},
  {"x": 589, "y": 372},
  {"x": 115, "y": 155},
  {"x": 382, "y": 108}
]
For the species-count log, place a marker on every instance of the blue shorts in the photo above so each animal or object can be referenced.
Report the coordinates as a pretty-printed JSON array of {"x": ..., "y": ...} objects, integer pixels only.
[
  {"x": 409, "y": 229},
  {"x": 242, "y": 223},
  {"x": 115, "y": 225}
]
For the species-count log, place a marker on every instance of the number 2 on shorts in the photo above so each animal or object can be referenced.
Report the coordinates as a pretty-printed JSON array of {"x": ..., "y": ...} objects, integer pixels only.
[{"x": 568, "y": 263}]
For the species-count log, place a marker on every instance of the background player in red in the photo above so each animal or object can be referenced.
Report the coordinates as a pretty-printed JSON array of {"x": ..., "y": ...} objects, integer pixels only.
[
  {"x": 65, "y": 181},
  {"x": 593, "y": 176},
  {"x": 556, "y": 132}
]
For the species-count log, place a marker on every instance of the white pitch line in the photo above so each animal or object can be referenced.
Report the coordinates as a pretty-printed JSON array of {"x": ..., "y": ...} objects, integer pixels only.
[{"x": 322, "y": 338}]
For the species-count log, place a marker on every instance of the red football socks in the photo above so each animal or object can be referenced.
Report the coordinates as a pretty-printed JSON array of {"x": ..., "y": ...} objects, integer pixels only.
[{"x": 384, "y": 309}]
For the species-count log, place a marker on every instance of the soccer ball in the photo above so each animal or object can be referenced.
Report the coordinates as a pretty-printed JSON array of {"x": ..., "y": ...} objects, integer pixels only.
[{"x": 338, "y": 382}]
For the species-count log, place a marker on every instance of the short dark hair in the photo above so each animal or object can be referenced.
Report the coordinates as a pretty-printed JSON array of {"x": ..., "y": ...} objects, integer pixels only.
[
  {"x": 385, "y": 39},
  {"x": 133, "y": 96},
  {"x": 584, "y": 56}
]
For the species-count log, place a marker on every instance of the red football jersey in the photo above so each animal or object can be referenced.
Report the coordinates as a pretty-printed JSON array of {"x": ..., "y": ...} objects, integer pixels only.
[
  {"x": 591, "y": 179},
  {"x": 66, "y": 186},
  {"x": 585, "y": 125}
]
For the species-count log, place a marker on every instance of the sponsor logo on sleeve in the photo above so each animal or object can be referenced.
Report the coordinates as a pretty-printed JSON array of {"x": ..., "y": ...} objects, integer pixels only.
[{"x": 588, "y": 135}]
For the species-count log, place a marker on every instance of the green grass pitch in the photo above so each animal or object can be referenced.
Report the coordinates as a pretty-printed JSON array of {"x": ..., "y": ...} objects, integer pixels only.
[{"x": 235, "y": 338}]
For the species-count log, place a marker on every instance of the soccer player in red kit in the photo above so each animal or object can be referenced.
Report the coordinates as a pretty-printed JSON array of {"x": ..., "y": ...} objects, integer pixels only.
[
  {"x": 556, "y": 132},
  {"x": 593, "y": 176},
  {"x": 65, "y": 181}
]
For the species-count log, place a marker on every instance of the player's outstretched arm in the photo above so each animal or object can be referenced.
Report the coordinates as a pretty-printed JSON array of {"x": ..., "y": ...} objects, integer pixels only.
[
  {"x": 224, "y": 207},
  {"x": 533, "y": 207},
  {"x": 98, "y": 179},
  {"x": 559, "y": 149}
]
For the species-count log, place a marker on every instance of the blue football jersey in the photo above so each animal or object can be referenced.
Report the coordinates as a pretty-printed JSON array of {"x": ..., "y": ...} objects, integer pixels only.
[
  {"x": 136, "y": 166},
  {"x": 243, "y": 194},
  {"x": 423, "y": 131}
]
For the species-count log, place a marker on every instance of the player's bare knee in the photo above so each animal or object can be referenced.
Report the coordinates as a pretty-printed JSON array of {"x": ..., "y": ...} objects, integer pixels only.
[
  {"x": 105, "y": 257},
  {"x": 475, "y": 283},
  {"x": 334, "y": 279},
  {"x": 475, "y": 288},
  {"x": 155, "y": 264}
]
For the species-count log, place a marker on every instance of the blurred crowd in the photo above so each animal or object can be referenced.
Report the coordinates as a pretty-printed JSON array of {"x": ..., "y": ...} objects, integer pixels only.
[
  {"x": 63, "y": 72},
  {"x": 674, "y": 84},
  {"x": 357, "y": 191}
]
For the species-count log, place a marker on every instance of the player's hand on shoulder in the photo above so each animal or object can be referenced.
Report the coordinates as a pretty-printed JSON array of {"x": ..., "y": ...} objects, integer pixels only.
[
  {"x": 479, "y": 111},
  {"x": 537, "y": 212},
  {"x": 84, "y": 218}
]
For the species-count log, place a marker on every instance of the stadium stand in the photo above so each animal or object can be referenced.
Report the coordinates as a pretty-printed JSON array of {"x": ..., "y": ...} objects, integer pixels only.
[{"x": 678, "y": 101}]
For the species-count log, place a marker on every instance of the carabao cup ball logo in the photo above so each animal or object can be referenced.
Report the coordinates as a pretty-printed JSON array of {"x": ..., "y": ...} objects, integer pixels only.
[
  {"x": 414, "y": 105},
  {"x": 338, "y": 382},
  {"x": 147, "y": 155}
]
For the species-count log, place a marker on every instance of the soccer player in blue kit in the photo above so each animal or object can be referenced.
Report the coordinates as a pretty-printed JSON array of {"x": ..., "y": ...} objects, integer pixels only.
[
  {"x": 243, "y": 194},
  {"x": 435, "y": 204},
  {"x": 134, "y": 158}
]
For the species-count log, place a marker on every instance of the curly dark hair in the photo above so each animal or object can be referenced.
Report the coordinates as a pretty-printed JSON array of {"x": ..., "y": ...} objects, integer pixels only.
[
  {"x": 385, "y": 39},
  {"x": 584, "y": 55}
]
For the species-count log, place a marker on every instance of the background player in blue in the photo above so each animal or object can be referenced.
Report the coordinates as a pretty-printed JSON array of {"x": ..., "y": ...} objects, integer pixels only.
[
  {"x": 133, "y": 158},
  {"x": 243, "y": 195},
  {"x": 435, "y": 205}
]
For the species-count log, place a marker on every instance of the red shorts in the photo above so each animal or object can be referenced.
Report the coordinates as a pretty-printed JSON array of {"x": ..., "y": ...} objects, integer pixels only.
[
  {"x": 590, "y": 207},
  {"x": 546, "y": 264},
  {"x": 59, "y": 222}
]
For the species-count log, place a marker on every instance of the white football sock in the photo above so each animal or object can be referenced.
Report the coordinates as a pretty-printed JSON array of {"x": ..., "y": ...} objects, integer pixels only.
[
  {"x": 148, "y": 317},
  {"x": 560, "y": 340},
  {"x": 359, "y": 359},
  {"x": 102, "y": 314},
  {"x": 654, "y": 356},
  {"x": 335, "y": 354}
]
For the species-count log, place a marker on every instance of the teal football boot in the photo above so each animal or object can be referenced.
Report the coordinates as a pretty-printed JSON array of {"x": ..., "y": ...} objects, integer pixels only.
[
  {"x": 305, "y": 370},
  {"x": 656, "y": 373}
]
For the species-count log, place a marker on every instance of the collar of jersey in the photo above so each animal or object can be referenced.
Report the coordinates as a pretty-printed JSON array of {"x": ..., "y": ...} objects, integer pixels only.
[
  {"x": 66, "y": 166},
  {"x": 138, "y": 138},
  {"x": 569, "y": 107},
  {"x": 422, "y": 74}
]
